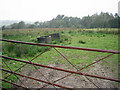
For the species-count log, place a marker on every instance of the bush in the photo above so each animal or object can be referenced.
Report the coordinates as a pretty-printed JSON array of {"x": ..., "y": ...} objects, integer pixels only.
[
  {"x": 54, "y": 42},
  {"x": 15, "y": 50},
  {"x": 10, "y": 47},
  {"x": 80, "y": 41}
]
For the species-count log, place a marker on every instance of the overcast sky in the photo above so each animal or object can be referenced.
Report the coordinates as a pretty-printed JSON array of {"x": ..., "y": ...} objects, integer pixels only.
[{"x": 43, "y": 10}]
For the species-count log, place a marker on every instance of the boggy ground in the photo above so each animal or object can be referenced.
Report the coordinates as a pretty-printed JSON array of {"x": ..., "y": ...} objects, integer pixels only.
[{"x": 73, "y": 81}]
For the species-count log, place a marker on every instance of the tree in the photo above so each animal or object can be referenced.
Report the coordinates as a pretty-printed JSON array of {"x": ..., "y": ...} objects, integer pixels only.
[
  {"x": 14, "y": 26},
  {"x": 86, "y": 21},
  {"x": 3, "y": 27},
  {"x": 36, "y": 24},
  {"x": 115, "y": 22},
  {"x": 59, "y": 17},
  {"x": 102, "y": 20},
  {"x": 31, "y": 26},
  {"x": 21, "y": 25}
]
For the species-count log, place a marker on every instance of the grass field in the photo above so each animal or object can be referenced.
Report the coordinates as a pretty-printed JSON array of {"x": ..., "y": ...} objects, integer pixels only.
[{"x": 106, "y": 39}]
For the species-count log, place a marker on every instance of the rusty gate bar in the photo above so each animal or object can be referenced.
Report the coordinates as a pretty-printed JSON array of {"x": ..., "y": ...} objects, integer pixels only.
[
  {"x": 30, "y": 60},
  {"x": 59, "y": 46},
  {"x": 74, "y": 66},
  {"x": 36, "y": 67},
  {"x": 74, "y": 72},
  {"x": 13, "y": 83},
  {"x": 95, "y": 62},
  {"x": 66, "y": 59},
  {"x": 84, "y": 67},
  {"x": 34, "y": 78},
  {"x": 13, "y": 74}
]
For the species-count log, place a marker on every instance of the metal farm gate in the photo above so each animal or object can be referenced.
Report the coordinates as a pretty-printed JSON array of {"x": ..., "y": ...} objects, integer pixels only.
[{"x": 70, "y": 72}]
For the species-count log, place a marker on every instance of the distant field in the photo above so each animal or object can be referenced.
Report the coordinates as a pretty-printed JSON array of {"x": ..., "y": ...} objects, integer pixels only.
[
  {"x": 93, "y": 38},
  {"x": 106, "y": 39}
]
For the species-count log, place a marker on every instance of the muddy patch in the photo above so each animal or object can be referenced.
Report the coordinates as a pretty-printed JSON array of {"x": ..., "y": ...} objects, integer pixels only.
[{"x": 72, "y": 81}]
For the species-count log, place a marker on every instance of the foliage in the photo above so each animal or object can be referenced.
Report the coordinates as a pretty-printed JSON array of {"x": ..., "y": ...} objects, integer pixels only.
[
  {"x": 17, "y": 50},
  {"x": 102, "y": 20}
]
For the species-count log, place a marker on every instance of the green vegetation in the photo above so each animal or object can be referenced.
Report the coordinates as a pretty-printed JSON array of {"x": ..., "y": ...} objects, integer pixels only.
[
  {"x": 89, "y": 38},
  {"x": 102, "y": 20}
]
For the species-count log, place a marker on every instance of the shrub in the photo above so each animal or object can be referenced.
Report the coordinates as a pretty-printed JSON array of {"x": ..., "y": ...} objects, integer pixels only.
[
  {"x": 9, "y": 47},
  {"x": 54, "y": 42},
  {"x": 15, "y": 50},
  {"x": 80, "y": 41}
]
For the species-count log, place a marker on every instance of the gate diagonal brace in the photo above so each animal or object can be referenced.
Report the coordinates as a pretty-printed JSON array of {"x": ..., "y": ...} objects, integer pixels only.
[
  {"x": 30, "y": 60},
  {"x": 35, "y": 79},
  {"x": 74, "y": 66},
  {"x": 95, "y": 76}
]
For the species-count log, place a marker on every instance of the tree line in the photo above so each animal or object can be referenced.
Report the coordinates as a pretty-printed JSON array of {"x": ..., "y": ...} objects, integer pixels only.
[{"x": 102, "y": 20}]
